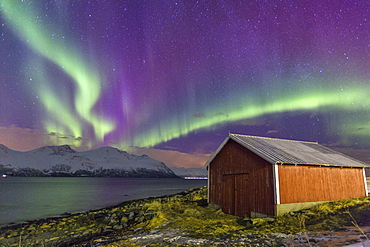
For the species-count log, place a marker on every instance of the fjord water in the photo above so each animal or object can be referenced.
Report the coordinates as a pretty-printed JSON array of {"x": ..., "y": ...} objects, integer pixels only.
[{"x": 23, "y": 199}]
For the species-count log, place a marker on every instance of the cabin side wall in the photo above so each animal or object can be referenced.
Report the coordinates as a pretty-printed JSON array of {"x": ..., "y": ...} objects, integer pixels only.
[
  {"x": 241, "y": 182},
  {"x": 301, "y": 183}
]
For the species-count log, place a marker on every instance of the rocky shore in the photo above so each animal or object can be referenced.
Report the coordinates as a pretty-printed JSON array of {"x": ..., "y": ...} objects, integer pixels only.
[{"x": 184, "y": 219}]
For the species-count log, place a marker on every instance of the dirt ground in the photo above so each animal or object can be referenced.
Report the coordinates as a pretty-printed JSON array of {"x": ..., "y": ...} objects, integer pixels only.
[{"x": 352, "y": 236}]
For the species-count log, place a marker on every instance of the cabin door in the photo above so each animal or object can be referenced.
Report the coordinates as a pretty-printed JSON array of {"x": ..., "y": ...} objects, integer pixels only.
[
  {"x": 228, "y": 194},
  {"x": 236, "y": 195}
]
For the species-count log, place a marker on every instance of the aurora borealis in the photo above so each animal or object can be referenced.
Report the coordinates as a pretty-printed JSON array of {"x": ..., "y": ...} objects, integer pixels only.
[{"x": 177, "y": 76}]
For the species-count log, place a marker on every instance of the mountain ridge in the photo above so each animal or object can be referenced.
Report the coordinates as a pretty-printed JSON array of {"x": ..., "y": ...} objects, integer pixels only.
[
  {"x": 65, "y": 161},
  {"x": 190, "y": 172}
]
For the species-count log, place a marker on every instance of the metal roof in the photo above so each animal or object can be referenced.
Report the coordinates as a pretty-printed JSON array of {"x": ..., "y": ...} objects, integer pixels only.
[{"x": 282, "y": 151}]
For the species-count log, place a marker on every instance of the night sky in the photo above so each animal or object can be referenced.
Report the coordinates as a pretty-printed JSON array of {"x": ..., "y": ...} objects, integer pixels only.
[{"x": 172, "y": 78}]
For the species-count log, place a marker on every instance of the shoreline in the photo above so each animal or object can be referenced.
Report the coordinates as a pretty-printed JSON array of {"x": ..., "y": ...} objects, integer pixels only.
[
  {"x": 184, "y": 219},
  {"x": 65, "y": 214},
  {"x": 82, "y": 226},
  {"x": 69, "y": 214},
  {"x": 25, "y": 199}
]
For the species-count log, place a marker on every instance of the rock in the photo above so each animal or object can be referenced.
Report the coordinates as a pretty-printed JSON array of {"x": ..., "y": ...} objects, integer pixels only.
[
  {"x": 99, "y": 216},
  {"x": 124, "y": 219},
  {"x": 131, "y": 215}
]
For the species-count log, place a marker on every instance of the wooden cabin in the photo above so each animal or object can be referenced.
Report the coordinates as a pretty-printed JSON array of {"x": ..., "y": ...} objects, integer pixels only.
[{"x": 251, "y": 176}]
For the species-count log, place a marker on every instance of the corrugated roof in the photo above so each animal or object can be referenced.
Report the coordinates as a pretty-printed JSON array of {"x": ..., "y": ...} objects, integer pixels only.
[{"x": 292, "y": 152}]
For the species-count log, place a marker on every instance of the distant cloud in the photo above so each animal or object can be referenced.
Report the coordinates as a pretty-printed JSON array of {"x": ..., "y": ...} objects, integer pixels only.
[
  {"x": 259, "y": 121},
  {"x": 221, "y": 114},
  {"x": 25, "y": 139},
  {"x": 272, "y": 132},
  {"x": 203, "y": 115},
  {"x": 173, "y": 158},
  {"x": 199, "y": 115},
  {"x": 169, "y": 148}
]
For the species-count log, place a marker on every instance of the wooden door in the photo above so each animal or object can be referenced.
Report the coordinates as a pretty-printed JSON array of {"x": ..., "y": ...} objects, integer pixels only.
[
  {"x": 242, "y": 195},
  {"x": 228, "y": 194},
  {"x": 238, "y": 195}
]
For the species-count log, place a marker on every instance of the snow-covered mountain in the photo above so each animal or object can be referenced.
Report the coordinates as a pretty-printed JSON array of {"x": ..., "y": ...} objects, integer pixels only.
[
  {"x": 190, "y": 172},
  {"x": 64, "y": 161}
]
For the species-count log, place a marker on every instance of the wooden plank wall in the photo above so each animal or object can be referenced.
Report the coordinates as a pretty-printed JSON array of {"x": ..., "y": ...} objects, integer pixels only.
[
  {"x": 241, "y": 182},
  {"x": 313, "y": 183}
]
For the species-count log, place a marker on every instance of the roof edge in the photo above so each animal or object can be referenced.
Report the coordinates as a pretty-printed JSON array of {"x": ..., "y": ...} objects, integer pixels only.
[
  {"x": 217, "y": 151},
  {"x": 270, "y": 138},
  {"x": 315, "y": 164},
  {"x": 235, "y": 138}
]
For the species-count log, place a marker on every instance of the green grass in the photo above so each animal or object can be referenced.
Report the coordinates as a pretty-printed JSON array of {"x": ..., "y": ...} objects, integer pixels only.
[{"x": 207, "y": 222}]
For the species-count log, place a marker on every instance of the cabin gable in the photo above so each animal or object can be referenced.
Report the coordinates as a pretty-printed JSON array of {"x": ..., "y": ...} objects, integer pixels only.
[{"x": 241, "y": 182}]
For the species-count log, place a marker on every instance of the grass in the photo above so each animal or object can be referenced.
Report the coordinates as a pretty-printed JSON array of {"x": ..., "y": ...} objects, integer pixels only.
[
  {"x": 182, "y": 213},
  {"x": 208, "y": 222}
]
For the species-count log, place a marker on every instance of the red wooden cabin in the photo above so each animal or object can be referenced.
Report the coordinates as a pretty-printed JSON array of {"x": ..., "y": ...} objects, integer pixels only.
[{"x": 252, "y": 176}]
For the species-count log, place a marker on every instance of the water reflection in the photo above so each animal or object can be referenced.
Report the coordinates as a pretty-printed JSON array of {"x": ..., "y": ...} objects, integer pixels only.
[{"x": 32, "y": 198}]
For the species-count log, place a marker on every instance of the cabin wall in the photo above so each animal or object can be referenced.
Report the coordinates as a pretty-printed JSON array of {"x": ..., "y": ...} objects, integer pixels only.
[
  {"x": 241, "y": 182},
  {"x": 300, "y": 183}
]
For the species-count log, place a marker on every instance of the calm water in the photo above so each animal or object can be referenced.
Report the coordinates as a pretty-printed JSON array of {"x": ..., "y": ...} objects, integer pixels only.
[{"x": 24, "y": 199}]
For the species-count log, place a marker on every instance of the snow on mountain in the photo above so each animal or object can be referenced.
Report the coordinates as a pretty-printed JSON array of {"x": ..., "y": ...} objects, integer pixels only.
[{"x": 64, "y": 161}]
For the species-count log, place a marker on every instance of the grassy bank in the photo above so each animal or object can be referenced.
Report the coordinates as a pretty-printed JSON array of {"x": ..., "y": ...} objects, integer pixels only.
[{"x": 185, "y": 213}]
